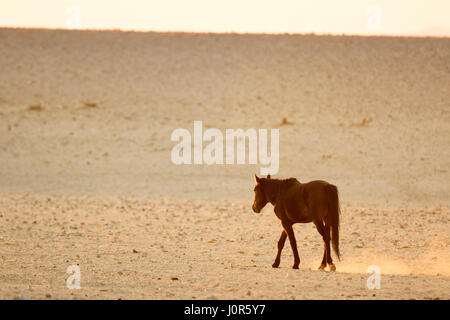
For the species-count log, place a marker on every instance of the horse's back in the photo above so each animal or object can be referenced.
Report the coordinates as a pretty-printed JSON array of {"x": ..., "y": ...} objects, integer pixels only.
[
  {"x": 303, "y": 200},
  {"x": 316, "y": 184},
  {"x": 316, "y": 193},
  {"x": 313, "y": 188}
]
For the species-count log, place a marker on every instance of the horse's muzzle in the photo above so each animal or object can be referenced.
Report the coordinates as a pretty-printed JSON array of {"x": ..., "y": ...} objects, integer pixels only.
[{"x": 255, "y": 209}]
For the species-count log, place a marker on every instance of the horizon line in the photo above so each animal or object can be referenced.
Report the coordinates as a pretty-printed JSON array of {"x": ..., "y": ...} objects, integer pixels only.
[{"x": 311, "y": 33}]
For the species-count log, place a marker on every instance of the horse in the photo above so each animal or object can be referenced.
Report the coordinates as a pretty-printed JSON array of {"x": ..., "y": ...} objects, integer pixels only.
[{"x": 294, "y": 202}]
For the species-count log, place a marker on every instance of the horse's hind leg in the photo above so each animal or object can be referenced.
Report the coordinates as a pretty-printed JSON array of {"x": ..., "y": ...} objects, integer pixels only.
[
  {"x": 324, "y": 231},
  {"x": 327, "y": 244},
  {"x": 320, "y": 227},
  {"x": 280, "y": 248},
  {"x": 323, "y": 264}
]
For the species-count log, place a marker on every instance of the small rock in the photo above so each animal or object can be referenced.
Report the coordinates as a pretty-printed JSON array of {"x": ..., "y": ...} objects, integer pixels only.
[
  {"x": 285, "y": 121},
  {"x": 35, "y": 108}
]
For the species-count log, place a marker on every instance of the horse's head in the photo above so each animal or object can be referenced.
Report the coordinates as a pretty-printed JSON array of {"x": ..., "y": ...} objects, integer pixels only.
[{"x": 260, "y": 196}]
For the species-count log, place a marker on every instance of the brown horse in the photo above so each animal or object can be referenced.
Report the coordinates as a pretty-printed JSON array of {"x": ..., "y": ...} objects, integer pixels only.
[{"x": 295, "y": 202}]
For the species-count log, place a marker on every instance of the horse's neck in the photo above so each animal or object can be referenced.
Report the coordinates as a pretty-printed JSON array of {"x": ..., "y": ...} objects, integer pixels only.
[{"x": 273, "y": 189}]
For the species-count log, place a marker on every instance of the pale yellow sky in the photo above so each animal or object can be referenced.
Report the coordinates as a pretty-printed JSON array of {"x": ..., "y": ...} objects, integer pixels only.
[{"x": 368, "y": 17}]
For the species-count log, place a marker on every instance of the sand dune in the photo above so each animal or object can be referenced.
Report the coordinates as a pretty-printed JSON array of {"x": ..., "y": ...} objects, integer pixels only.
[{"x": 86, "y": 175}]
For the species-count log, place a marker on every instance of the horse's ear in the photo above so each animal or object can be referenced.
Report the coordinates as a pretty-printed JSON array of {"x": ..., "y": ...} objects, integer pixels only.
[
  {"x": 268, "y": 176},
  {"x": 256, "y": 179}
]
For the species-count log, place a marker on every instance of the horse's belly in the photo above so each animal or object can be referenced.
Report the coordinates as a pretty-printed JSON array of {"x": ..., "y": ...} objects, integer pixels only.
[{"x": 300, "y": 215}]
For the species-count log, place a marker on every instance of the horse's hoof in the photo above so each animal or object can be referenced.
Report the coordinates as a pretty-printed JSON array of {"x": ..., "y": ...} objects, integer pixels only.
[
  {"x": 332, "y": 267},
  {"x": 295, "y": 267},
  {"x": 322, "y": 267},
  {"x": 275, "y": 265}
]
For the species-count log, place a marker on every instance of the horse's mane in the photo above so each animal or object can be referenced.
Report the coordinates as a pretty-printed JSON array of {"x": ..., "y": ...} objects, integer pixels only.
[
  {"x": 288, "y": 180},
  {"x": 278, "y": 184}
]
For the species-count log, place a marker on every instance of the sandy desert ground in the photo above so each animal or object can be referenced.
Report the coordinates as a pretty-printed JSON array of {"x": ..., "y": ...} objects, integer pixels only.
[{"x": 86, "y": 176}]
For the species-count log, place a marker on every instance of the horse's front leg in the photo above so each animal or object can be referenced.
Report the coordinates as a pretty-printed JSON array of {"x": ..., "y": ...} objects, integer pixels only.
[
  {"x": 290, "y": 232},
  {"x": 280, "y": 248}
]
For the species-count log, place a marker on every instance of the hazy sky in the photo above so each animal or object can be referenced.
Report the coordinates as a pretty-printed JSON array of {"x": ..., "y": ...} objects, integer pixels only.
[{"x": 392, "y": 17}]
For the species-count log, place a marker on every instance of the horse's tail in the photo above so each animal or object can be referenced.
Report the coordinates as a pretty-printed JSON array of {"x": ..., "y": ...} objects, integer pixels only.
[{"x": 334, "y": 212}]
